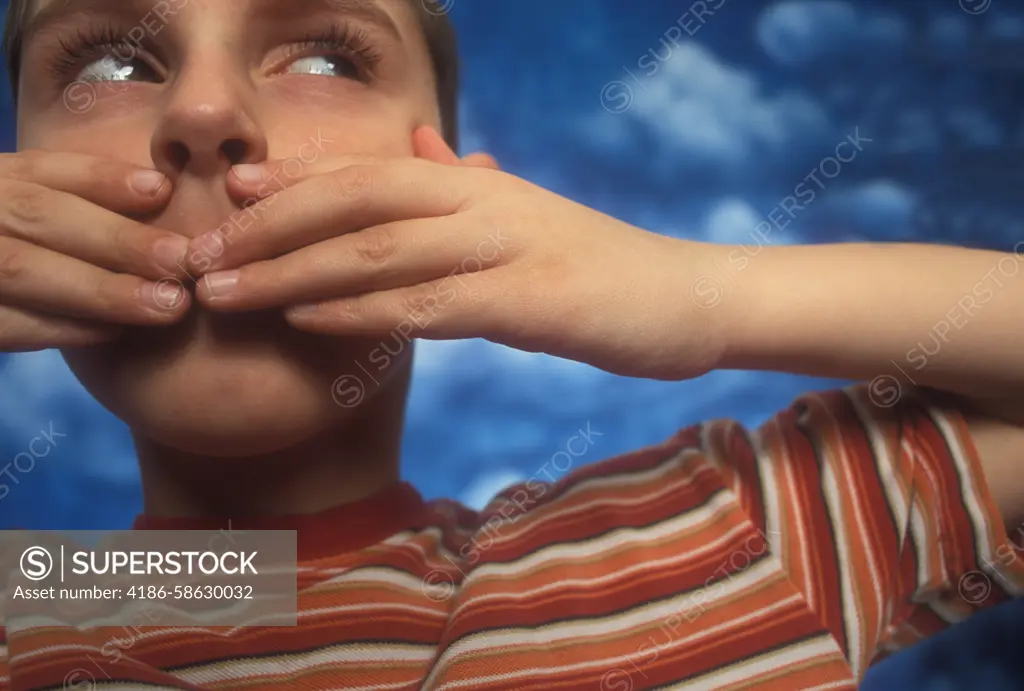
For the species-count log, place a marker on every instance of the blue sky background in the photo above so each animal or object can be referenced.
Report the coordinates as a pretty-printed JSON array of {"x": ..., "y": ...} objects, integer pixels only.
[{"x": 699, "y": 139}]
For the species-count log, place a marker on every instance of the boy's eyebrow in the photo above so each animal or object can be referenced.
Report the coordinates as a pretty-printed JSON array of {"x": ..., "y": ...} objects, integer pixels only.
[
  {"x": 369, "y": 10},
  {"x": 59, "y": 10}
]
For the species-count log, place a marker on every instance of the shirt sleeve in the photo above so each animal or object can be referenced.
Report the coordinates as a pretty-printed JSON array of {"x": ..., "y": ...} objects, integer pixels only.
[{"x": 879, "y": 513}]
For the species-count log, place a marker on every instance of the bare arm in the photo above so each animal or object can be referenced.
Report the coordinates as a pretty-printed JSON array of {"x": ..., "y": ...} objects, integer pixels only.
[{"x": 896, "y": 315}]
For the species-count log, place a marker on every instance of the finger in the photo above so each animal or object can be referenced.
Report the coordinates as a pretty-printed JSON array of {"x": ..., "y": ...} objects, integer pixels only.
[
  {"x": 249, "y": 183},
  {"x": 481, "y": 160},
  {"x": 24, "y": 331},
  {"x": 73, "y": 226},
  {"x": 112, "y": 184},
  {"x": 429, "y": 145},
  {"x": 329, "y": 205},
  {"x": 394, "y": 255},
  {"x": 39, "y": 279},
  {"x": 453, "y": 307}
]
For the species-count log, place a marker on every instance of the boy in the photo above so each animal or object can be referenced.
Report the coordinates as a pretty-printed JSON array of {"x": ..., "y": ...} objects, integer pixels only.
[{"x": 789, "y": 557}]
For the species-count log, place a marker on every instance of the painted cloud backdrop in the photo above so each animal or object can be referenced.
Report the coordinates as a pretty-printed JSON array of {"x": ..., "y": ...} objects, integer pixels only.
[{"x": 760, "y": 123}]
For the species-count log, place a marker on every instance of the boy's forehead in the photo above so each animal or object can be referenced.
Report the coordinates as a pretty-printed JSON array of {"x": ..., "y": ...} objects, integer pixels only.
[{"x": 394, "y": 16}]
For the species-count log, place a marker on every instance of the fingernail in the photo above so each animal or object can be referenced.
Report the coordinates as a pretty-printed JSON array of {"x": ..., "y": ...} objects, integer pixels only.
[
  {"x": 221, "y": 283},
  {"x": 248, "y": 173},
  {"x": 303, "y": 310},
  {"x": 147, "y": 182},
  {"x": 165, "y": 295},
  {"x": 170, "y": 253}
]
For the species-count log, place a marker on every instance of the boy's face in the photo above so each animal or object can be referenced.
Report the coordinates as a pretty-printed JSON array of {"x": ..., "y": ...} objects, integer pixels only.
[{"x": 199, "y": 85}]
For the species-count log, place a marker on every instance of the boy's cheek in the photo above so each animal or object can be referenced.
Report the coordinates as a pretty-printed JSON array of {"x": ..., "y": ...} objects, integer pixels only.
[
  {"x": 384, "y": 135},
  {"x": 125, "y": 143}
]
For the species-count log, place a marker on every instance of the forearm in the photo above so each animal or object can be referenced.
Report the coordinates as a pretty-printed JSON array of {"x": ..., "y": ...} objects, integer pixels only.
[{"x": 927, "y": 315}]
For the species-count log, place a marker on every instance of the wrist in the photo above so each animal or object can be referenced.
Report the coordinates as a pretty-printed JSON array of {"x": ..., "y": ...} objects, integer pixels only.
[{"x": 699, "y": 318}]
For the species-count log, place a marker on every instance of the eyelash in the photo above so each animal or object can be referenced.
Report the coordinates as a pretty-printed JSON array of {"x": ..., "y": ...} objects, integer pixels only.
[
  {"x": 345, "y": 40},
  {"x": 88, "y": 45}
]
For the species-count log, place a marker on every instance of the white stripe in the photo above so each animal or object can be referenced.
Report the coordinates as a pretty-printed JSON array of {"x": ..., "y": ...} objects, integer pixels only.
[
  {"x": 972, "y": 500},
  {"x": 825, "y": 646},
  {"x": 129, "y": 615},
  {"x": 833, "y": 502},
  {"x": 288, "y": 664},
  {"x": 865, "y": 542},
  {"x": 764, "y": 665},
  {"x": 92, "y": 684},
  {"x": 638, "y": 617},
  {"x": 896, "y": 493},
  {"x": 919, "y": 515},
  {"x": 770, "y": 468},
  {"x": 434, "y": 555},
  {"x": 611, "y": 494},
  {"x": 367, "y": 574},
  {"x": 370, "y": 576},
  {"x": 512, "y": 596},
  {"x": 558, "y": 553}
]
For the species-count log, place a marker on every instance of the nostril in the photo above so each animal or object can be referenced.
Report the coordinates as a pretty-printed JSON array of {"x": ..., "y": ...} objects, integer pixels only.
[
  {"x": 235, "y": 150},
  {"x": 179, "y": 155}
]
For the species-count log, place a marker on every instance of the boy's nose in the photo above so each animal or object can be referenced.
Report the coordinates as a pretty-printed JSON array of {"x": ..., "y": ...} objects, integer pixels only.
[{"x": 204, "y": 131}]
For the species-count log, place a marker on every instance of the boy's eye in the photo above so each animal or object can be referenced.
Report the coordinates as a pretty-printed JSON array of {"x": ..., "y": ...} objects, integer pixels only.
[
  {"x": 328, "y": 65},
  {"x": 110, "y": 68}
]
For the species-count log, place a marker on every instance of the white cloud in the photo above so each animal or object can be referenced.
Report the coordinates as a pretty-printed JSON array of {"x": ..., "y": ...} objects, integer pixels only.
[
  {"x": 878, "y": 207},
  {"x": 471, "y": 139},
  {"x": 482, "y": 363},
  {"x": 710, "y": 113},
  {"x": 486, "y": 485},
  {"x": 732, "y": 221},
  {"x": 799, "y": 32}
]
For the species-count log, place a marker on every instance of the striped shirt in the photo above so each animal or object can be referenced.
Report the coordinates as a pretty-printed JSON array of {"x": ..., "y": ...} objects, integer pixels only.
[{"x": 787, "y": 557}]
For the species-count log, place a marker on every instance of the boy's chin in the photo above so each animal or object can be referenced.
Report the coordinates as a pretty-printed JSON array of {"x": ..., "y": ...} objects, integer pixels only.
[
  {"x": 224, "y": 398},
  {"x": 258, "y": 432},
  {"x": 225, "y": 409}
]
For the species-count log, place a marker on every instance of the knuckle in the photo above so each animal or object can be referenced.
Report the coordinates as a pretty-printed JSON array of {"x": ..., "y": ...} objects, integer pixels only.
[
  {"x": 351, "y": 312},
  {"x": 113, "y": 292},
  {"x": 127, "y": 244},
  {"x": 375, "y": 246},
  {"x": 13, "y": 264},
  {"x": 412, "y": 301},
  {"x": 24, "y": 165},
  {"x": 26, "y": 206},
  {"x": 353, "y": 184}
]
